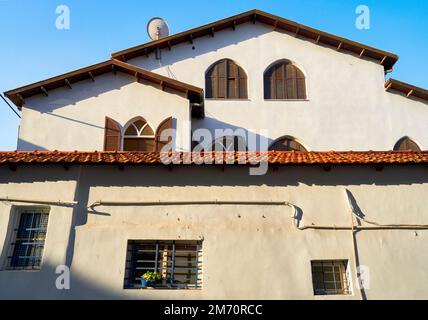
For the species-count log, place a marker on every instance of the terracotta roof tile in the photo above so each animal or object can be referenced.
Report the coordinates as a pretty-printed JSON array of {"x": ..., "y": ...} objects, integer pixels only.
[{"x": 232, "y": 158}]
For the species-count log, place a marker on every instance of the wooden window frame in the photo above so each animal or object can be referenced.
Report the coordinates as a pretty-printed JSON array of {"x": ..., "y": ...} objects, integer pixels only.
[
  {"x": 139, "y": 133},
  {"x": 400, "y": 142},
  {"x": 12, "y": 239},
  {"x": 342, "y": 284},
  {"x": 290, "y": 139},
  {"x": 270, "y": 90},
  {"x": 180, "y": 269},
  {"x": 232, "y": 73},
  {"x": 223, "y": 141}
]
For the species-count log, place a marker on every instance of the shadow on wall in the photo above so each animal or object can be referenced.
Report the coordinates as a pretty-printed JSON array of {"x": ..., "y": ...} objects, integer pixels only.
[
  {"x": 24, "y": 145},
  {"x": 203, "y": 46},
  {"x": 86, "y": 89},
  {"x": 160, "y": 175},
  {"x": 44, "y": 286}
]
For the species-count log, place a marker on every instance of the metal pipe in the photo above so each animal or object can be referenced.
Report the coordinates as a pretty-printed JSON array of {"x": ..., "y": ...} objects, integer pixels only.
[
  {"x": 38, "y": 201},
  {"x": 178, "y": 203}
]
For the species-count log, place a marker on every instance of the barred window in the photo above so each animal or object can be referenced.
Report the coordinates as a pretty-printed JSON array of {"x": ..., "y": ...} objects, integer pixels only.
[
  {"x": 330, "y": 277},
  {"x": 179, "y": 263},
  {"x": 28, "y": 239}
]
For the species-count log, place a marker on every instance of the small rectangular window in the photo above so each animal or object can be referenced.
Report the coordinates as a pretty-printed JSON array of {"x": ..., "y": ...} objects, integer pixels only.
[
  {"x": 331, "y": 277},
  {"x": 28, "y": 239},
  {"x": 179, "y": 263}
]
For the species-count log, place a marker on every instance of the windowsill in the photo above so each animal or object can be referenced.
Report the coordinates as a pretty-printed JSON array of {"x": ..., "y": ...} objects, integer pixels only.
[
  {"x": 292, "y": 100},
  {"x": 163, "y": 289},
  {"x": 20, "y": 270},
  {"x": 215, "y": 99}
]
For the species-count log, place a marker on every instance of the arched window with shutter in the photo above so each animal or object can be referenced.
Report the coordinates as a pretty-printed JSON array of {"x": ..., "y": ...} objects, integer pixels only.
[
  {"x": 287, "y": 144},
  {"x": 406, "y": 144},
  {"x": 284, "y": 81},
  {"x": 229, "y": 143},
  {"x": 138, "y": 136},
  {"x": 226, "y": 80}
]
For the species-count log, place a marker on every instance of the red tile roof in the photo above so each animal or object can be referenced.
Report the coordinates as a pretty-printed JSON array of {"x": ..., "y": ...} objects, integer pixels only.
[{"x": 245, "y": 158}]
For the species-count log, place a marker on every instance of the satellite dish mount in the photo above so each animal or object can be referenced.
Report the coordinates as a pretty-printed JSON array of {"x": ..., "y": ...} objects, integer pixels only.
[{"x": 157, "y": 28}]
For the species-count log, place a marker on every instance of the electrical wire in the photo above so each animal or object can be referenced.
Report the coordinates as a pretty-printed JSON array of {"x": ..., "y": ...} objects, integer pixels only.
[{"x": 11, "y": 108}]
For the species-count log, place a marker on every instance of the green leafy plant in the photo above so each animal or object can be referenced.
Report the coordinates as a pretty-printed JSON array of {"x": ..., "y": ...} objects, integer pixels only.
[{"x": 151, "y": 276}]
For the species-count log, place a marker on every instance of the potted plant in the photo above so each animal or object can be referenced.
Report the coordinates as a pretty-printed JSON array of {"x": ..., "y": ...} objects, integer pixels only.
[{"x": 150, "y": 278}]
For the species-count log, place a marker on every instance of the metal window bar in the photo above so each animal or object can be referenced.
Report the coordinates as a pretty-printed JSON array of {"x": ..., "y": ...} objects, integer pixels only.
[
  {"x": 27, "y": 247},
  {"x": 180, "y": 269},
  {"x": 173, "y": 264},
  {"x": 334, "y": 278}
]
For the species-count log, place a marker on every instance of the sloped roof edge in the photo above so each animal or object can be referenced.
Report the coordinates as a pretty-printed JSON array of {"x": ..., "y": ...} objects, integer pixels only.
[
  {"x": 407, "y": 89},
  {"x": 18, "y": 95},
  {"x": 385, "y": 58}
]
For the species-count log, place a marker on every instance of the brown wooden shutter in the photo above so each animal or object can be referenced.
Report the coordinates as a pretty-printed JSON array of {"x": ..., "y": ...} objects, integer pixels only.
[
  {"x": 160, "y": 136},
  {"x": 267, "y": 85},
  {"x": 301, "y": 84},
  {"x": 280, "y": 83},
  {"x": 284, "y": 81},
  {"x": 232, "y": 80},
  {"x": 222, "y": 79},
  {"x": 291, "y": 81},
  {"x": 407, "y": 144},
  {"x": 112, "y": 135},
  {"x": 243, "y": 92}
]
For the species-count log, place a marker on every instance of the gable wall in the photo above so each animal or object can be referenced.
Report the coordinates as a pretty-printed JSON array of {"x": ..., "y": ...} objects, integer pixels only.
[
  {"x": 74, "y": 119},
  {"x": 347, "y": 107}
]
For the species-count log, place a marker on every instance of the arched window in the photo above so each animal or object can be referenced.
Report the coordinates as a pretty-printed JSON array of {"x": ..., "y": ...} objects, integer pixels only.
[
  {"x": 287, "y": 144},
  {"x": 229, "y": 143},
  {"x": 284, "y": 80},
  {"x": 139, "y": 136},
  {"x": 406, "y": 144},
  {"x": 226, "y": 80}
]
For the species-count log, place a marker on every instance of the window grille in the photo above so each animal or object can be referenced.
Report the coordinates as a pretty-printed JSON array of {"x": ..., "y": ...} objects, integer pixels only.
[
  {"x": 178, "y": 262},
  {"x": 331, "y": 277},
  {"x": 29, "y": 239}
]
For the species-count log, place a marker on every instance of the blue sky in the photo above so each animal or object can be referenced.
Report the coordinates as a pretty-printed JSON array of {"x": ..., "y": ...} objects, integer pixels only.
[{"x": 33, "y": 49}]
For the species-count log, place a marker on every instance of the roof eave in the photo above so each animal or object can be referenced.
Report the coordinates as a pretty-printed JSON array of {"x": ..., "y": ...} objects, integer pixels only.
[
  {"x": 18, "y": 95},
  {"x": 385, "y": 58}
]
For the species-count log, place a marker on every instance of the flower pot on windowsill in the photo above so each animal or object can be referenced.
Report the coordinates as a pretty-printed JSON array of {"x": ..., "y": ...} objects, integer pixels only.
[
  {"x": 149, "y": 279},
  {"x": 147, "y": 284}
]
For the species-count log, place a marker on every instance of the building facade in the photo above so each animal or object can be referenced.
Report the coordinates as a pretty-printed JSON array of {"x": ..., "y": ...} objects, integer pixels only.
[{"x": 273, "y": 213}]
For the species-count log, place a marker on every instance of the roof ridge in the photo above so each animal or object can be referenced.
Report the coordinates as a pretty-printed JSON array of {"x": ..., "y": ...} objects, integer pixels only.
[{"x": 385, "y": 58}]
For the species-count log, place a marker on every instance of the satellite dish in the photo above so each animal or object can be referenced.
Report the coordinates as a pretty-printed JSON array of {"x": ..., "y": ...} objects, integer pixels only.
[{"x": 157, "y": 28}]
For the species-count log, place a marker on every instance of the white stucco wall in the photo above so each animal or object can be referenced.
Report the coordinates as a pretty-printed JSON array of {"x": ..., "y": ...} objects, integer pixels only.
[
  {"x": 347, "y": 106},
  {"x": 249, "y": 252},
  {"x": 75, "y": 119}
]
